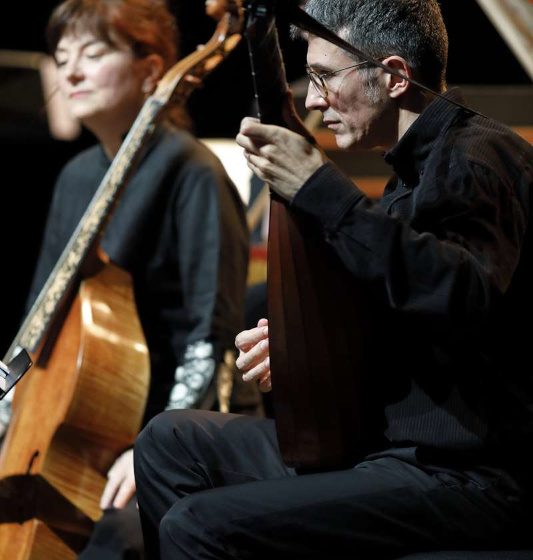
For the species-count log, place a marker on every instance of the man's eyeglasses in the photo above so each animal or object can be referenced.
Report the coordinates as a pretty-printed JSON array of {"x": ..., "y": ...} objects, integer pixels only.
[{"x": 319, "y": 80}]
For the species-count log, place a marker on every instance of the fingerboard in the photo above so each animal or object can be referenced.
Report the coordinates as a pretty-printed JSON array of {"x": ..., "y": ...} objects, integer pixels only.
[
  {"x": 266, "y": 61},
  {"x": 66, "y": 272}
]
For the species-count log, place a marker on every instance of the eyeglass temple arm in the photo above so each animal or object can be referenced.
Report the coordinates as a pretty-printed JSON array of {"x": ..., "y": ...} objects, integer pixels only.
[{"x": 301, "y": 19}]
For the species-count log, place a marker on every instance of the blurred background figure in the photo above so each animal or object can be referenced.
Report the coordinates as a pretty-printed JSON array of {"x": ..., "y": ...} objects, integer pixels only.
[{"x": 179, "y": 228}]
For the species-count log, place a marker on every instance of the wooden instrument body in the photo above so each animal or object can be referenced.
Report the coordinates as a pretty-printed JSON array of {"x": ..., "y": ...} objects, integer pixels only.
[
  {"x": 318, "y": 313},
  {"x": 319, "y": 324},
  {"x": 91, "y": 398}
]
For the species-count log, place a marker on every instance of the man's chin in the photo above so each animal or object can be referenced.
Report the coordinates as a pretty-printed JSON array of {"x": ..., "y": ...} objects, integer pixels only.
[
  {"x": 348, "y": 143},
  {"x": 344, "y": 142}
]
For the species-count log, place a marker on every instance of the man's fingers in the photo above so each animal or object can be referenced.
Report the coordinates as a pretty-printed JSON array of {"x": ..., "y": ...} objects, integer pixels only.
[
  {"x": 265, "y": 384},
  {"x": 249, "y": 121},
  {"x": 260, "y": 371},
  {"x": 248, "y": 360},
  {"x": 262, "y": 133},
  {"x": 247, "y": 144},
  {"x": 247, "y": 339}
]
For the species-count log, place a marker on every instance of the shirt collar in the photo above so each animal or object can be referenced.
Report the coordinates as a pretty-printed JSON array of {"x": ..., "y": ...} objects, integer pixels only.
[{"x": 409, "y": 155}]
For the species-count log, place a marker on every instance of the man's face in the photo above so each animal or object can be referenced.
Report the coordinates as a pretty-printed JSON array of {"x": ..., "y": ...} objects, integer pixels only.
[{"x": 356, "y": 120}]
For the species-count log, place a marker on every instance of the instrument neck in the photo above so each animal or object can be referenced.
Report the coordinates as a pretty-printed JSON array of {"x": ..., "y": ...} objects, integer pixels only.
[
  {"x": 268, "y": 70},
  {"x": 67, "y": 272}
]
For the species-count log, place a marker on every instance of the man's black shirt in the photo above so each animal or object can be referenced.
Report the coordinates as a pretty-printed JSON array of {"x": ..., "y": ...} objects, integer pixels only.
[{"x": 446, "y": 255}]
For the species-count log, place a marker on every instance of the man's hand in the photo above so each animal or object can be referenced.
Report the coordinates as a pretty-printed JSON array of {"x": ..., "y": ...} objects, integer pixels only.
[
  {"x": 120, "y": 485},
  {"x": 278, "y": 156},
  {"x": 254, "y": 360}
]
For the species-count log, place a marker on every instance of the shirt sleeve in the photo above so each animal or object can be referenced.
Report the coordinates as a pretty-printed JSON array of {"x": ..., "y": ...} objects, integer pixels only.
[
  {"x": 464, "y": 255},
  {"x": 197, "y": 248},
  {"x": 198, "y": 252},
  {"x": 53, "y": 242}
]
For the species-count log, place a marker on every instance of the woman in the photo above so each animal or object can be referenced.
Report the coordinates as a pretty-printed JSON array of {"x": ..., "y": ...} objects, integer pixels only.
[{"x": 179, "y": 227}]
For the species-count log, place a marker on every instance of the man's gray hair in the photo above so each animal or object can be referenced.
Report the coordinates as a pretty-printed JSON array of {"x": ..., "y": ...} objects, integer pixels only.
[{"x": 412, "y": 29}]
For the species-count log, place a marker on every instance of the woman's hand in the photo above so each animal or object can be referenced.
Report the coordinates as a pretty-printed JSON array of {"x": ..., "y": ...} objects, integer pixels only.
[{"x": 120, "y": 485}]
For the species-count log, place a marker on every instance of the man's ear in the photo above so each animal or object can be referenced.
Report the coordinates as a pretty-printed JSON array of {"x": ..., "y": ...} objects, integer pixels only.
[
  {"x": 396, "y": 85},
  {"x": 153, "y": 68}
]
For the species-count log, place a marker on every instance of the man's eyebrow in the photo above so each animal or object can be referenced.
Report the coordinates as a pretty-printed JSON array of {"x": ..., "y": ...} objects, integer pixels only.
[{"x": 318, "y": 68}]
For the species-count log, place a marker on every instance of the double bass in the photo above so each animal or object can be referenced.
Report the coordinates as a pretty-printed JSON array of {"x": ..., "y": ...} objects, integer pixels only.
[
  {"x": 319, "y": 316},
  {"x": 82, "y": 402}
]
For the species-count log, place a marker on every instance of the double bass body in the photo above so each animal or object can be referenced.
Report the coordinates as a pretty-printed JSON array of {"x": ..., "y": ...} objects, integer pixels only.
[{"x": 71, "y": 417}]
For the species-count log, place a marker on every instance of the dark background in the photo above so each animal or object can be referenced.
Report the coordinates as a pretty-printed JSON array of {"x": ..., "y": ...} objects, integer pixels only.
[
  {"x": 30, "y": 159},
  {"x": 478, "y": 55}
]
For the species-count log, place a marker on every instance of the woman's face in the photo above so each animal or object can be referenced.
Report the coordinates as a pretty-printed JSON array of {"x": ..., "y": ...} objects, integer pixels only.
[{"x": 102, "y": 83}]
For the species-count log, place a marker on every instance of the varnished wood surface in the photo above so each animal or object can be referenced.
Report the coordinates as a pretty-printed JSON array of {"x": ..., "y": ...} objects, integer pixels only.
[{"x": 73, "y": 417}]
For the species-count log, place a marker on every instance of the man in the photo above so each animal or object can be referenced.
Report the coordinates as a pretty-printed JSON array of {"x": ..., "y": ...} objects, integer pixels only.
[{"x": 446, "y": 252}]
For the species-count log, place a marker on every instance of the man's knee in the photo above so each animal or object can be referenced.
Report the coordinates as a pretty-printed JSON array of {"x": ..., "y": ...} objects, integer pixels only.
[
  {"x": 193, "y": 526},
  {"x": 159, "y": 440},
  {"x": 161, "y": 430}
]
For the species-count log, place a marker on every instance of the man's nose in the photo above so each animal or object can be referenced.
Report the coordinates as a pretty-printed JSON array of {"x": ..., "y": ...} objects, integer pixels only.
[{"x": 315, "y": 101}]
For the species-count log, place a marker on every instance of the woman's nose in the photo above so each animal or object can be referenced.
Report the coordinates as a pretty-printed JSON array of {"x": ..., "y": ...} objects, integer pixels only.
[{"x": 72, "y": 70}]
